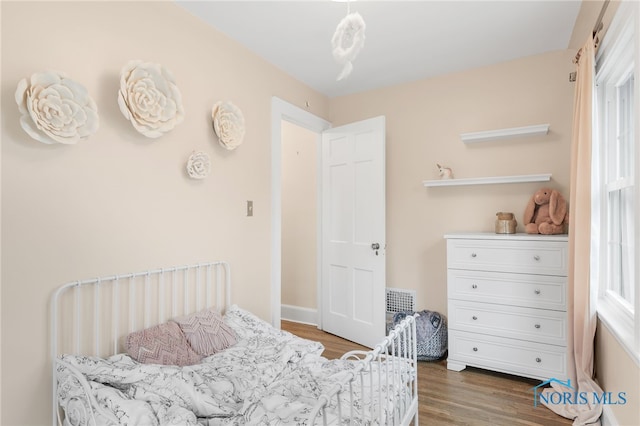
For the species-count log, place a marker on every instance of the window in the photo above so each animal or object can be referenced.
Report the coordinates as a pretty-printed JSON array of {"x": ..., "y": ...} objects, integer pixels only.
[
  {"x": 615, "y": 186},
  {"x": 619, "y": 185}
]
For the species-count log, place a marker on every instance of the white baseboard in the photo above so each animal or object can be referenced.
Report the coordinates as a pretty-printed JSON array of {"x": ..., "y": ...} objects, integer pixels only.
[
  {"x": 608, "y": 419},
  {"x": 299, "y": 314}
]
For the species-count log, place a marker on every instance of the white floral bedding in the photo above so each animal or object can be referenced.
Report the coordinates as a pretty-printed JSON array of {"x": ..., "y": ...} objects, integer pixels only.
[{"x": 270, "y": 377}]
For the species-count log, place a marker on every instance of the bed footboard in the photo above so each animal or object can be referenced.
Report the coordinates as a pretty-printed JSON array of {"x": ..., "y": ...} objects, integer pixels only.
[{"x": 383, "y": 388}]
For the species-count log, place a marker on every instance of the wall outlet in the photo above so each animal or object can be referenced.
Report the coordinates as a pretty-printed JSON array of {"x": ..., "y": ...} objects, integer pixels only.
[{"x": 249, "y": 208}]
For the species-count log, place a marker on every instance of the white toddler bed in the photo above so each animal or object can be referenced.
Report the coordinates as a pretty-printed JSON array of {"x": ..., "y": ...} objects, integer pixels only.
[{"x": 257, "y": 375}]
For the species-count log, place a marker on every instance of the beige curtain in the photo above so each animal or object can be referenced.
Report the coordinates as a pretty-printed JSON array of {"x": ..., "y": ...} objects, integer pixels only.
[{"x": 581, "y": 302}]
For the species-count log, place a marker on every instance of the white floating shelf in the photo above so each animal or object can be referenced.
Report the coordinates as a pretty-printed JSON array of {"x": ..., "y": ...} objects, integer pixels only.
[
  {"x": 490, "y": 135},
  {"x": 489, "y": 180}
]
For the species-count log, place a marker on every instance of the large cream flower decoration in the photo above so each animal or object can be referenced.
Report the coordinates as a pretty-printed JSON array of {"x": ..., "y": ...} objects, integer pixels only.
[
  {"x": 228, "y": 123},
  {"x": 55, "y": 109},
  {"x": 149, "y": 98},
  {"x": 348, "y": 41}
]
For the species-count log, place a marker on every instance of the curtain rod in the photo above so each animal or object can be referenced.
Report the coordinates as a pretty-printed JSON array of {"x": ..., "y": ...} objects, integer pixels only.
[
  {"x": 596, "y": 29},
  {"x": 598, "y": 26}
]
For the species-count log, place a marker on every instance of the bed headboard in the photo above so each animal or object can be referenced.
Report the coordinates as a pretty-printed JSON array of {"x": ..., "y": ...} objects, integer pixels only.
[{"x": 93, "y": 317}]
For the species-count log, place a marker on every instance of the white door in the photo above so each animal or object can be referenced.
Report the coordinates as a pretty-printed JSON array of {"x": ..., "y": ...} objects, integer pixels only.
[{"x": 353, "y": 231}]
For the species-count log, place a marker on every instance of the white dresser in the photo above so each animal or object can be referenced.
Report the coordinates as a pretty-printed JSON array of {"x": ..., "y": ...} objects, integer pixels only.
[{"x": 507, "y": 303}]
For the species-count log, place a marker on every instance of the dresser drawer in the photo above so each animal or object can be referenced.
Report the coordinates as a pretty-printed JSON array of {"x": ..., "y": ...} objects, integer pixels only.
[
  {"x": 502, "y": 255},
  {"x": 528, "y": 359},
  {"x": 536, "y": 325},
  {"x": 527, "y": 290}
]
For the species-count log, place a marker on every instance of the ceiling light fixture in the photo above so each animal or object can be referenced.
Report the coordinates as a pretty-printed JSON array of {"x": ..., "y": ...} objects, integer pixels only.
[{"x": 348, "y": 40}]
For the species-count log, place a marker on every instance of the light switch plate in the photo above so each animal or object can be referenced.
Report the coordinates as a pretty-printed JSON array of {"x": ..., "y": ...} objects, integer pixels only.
[{"x": 249, "y": 208}]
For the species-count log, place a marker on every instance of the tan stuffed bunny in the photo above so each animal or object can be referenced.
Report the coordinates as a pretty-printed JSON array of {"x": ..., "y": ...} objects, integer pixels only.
[{"x": 546, "y": 213}]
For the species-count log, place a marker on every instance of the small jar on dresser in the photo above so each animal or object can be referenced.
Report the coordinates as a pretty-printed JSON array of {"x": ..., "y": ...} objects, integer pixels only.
[{"x": 507, "y": 303}]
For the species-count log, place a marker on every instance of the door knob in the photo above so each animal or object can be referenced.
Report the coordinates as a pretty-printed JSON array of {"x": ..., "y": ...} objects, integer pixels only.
[{"x": 375, "y": 246}]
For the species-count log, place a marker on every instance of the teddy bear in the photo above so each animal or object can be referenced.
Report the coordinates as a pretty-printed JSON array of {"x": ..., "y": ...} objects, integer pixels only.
[{"x": 546, "y": 213}]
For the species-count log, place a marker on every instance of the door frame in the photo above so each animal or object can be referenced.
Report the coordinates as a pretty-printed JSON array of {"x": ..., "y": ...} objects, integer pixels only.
[{"x": 282, "y": 110}]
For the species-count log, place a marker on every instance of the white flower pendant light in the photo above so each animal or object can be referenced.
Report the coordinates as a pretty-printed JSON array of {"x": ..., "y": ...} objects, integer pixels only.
[{"x": 347, "y": 42}]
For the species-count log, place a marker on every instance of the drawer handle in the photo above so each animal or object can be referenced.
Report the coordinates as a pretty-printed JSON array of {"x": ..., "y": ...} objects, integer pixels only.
[
  {"x": 537, "y": 291},
  {"x": 473, "y": 255},
  {"x": 474, "y": 317},
  {"x": 474, "y": 286},
  {"x": 538, "y": 360},
  {"x": 475, "y": 349},
  {"x": 536, "y": 258},
  {"x": 537, "y": 326}
]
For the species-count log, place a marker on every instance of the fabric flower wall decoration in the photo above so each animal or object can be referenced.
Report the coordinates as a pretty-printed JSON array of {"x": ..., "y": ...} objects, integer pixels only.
[
  {"x": 198, "y": 165},
  {"x": 228, "y": 123},
  {"x": 149, "y": 98},
  {"x": 55, "y": 109}
]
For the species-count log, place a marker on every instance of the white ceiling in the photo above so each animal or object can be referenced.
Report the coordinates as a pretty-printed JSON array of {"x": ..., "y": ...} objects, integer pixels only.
[{"x": 405, "y": 40}]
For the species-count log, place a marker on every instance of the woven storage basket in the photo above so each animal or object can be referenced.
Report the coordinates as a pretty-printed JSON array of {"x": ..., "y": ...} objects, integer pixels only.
[{"x": 431, "y": 333}]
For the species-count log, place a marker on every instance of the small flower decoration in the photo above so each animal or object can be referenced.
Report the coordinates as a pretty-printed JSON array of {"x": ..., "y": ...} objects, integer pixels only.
[
  {"x": 149, "y": 98},
  {"x": 198, "y": 165},
  {"x": 228, "y": 123},
  {"x": 55, "y": 109}
]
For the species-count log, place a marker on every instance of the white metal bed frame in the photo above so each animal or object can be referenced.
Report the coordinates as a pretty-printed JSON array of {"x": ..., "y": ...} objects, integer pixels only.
[{"x": 90, "y": 318}]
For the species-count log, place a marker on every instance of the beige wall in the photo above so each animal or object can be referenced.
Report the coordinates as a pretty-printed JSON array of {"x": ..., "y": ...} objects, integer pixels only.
[
  {"x": 616, "y": 372},
  {"x": 299, "y": 216},
  {"x": 120, "y": 202},
  {"x": 424, "y": 120}
]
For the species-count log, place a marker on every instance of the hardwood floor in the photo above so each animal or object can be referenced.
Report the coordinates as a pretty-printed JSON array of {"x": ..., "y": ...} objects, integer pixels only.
[{"x": 470, "y": 397}]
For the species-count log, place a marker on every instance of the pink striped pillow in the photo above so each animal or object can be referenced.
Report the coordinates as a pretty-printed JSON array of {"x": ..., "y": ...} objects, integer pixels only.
[
  {"x": 206, "y": 332},
  {"x": 161, "y": 344}
]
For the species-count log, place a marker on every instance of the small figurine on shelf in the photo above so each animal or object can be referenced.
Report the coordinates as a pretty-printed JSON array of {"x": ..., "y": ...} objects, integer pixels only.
[{"x": 444, "y": 172}]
